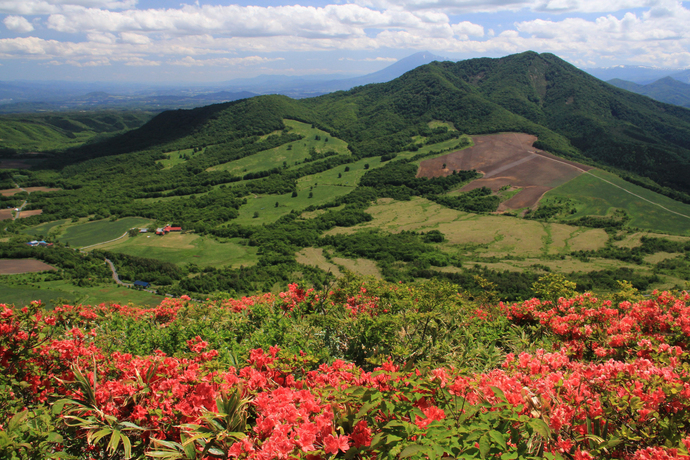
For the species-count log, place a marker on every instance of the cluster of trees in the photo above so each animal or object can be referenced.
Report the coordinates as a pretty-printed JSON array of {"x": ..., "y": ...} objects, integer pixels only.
[
  {"x": 132, "y": 268},
  {"x": 82, "y": 269}
]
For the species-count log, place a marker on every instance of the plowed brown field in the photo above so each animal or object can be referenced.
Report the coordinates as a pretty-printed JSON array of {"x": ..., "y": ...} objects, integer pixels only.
[
  {"x": 5, "y": 214},
  {"x": 33, "y": 212},
  {"x": 16, "y": 266},
  {"x": 507, "y": 159},
  {"x": 14, "y": 191}
]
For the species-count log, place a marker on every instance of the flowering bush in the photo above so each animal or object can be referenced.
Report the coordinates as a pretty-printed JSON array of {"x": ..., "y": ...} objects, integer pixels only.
[{"x": 602, "y": 380}]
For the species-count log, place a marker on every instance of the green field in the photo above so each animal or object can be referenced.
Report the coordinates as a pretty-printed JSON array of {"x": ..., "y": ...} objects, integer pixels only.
[
  {"x": 45, "y": 228},
  {"x": 266, "y": 208},
  {"x": 51, "y": 291},
  {"x": 596, "y": 197},
  {"x": 288, "y": 154},
  {"x": 100, "y": 231},
  {"x": 176, "y": 157},
  {"x": 181, "y": 249}
]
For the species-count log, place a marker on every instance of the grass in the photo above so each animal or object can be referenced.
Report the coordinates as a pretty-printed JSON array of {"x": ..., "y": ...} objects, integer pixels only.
[
  {"x": 596, "y": 197},
  {"x": 177, "y": 157},
  {"x": 45, "y": 228},
  {"x": 100, "y": 231},
  {"x": 51, "y": 292},
  {"x": 288, "y": 154},
  {"x": 179, "y": 248},
  {"x": 480, "y": 235},
  {"x": 265, "y": 205}
]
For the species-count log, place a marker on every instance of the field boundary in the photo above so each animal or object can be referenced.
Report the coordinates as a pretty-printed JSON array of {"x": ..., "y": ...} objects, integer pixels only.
[
  {"x": 618, "y": 186},
  {"x": 105, "y": 242}
]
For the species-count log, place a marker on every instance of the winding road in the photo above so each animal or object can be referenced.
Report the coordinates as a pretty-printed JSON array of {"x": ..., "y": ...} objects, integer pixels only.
[{"x": 116, "y": 277}]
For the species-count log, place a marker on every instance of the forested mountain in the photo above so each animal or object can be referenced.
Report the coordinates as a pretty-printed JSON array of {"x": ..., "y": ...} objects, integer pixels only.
[
  {"x": 573, "y": 114},
  {"x": 666, "y": 90}
]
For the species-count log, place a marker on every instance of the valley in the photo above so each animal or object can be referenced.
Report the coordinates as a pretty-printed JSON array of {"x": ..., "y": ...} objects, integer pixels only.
[
  {"x": 481, "y": 259},
  {"x": 451, "y": 171}
]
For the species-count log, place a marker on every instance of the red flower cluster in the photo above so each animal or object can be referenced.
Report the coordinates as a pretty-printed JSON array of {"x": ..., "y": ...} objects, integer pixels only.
[{"x": 617, "y": 373}]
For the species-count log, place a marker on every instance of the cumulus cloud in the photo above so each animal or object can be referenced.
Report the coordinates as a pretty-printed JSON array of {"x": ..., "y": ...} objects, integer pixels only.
[
  {"x": 214, "y": 35},
  {"x": 18, "y": 24},
  {"x": 492, "y": 6},
  {"x": 40, "y": 7}
]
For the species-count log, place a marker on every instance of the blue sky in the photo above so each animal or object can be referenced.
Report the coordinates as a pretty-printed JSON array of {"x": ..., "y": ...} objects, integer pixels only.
[{"x": 215, "y": 40}]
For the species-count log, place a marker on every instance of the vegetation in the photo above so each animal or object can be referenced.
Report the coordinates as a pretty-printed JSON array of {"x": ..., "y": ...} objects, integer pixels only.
[{"x": 361, "y": 369}]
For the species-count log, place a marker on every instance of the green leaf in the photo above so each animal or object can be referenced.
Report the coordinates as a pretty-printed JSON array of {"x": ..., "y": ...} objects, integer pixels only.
[
  {"x": 498, "y": 393},
  {"x": 95, "y": 437},
  {"x": 484, "y": 446},
  {"x": 414, "y": 449},
  {"x": 127, "y": 445},
  {"x": 498, "y": 438},
  {"x": 540, "y": 427},
  {"x": 18, "y": 420},
  {"x": 54, "y": 437},
  {"x": 216, "y": 452},
  {"x": 114, "y": 441}
]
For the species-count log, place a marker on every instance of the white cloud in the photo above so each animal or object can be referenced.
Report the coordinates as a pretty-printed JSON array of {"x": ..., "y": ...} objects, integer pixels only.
[
  {"x": 41, "y": 7},
  {"x": 468, "y": 29},
  {"x": 18, "y": 24},
  {"x": 243, "y": 61},
  {"x": 492, "y": 6},
  {"x": 212, "y": 35},
  {"x": 135, "y": 39}
]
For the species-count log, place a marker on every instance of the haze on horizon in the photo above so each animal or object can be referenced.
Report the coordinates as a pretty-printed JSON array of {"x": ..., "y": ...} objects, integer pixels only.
[{"x": 205, "y": 41}]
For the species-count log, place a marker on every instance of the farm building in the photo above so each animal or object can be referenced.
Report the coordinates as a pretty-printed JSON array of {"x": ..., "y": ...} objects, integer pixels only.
[
  {"x": 167, "y": 229},
  {"x": 35, "y": 243},
  {"x": 141, "y": 284}
]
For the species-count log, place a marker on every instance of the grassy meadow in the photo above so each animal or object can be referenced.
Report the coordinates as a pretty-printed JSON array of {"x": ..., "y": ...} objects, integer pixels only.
[
  {"x": 288, "y": 154},
  {"x": 183, "y": 248},
  {"x": 599, "y": 193},
  {"x": 17, "y": 290},
  {"x": 87, "y": 234}
]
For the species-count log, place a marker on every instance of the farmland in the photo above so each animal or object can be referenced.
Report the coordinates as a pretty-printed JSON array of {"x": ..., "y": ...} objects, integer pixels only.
[
  {"x": 186, "y": 248},
  {"x": 599, "y": 193},
  {"x": 16, "y": 266},
  {"x": 90, "y": 233}
]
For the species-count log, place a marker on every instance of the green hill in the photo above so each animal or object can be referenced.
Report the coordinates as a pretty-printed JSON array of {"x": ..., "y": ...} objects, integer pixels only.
[
  {"x": 666, "y": 90},
  {"x": 56, "y": 131},
  {"x": 262, "y": 183},
  {"x": 573, "y": 114}
]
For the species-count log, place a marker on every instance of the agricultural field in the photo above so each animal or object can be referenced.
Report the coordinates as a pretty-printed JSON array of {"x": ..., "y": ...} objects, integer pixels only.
[
  {"x": 289, "y": 154},
  {"x": 506, "y": 159},
  {"x": 262, "y": 209},
  {"x": 480, "y": 235},
  {"x": 90, "y": 233},
  {"x": 599, "y": 193},
  {"x": 17, "y": 266},
  {"x": 21, "y": 292},
  {"x": 46, "y": 228},
  {"x": 181, "y": 249}
]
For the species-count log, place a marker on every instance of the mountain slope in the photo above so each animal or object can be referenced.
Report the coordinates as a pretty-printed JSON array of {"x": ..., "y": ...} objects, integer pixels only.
[
  {"x": 666, "y": 90},
  {"x": 572, "y": 113}
]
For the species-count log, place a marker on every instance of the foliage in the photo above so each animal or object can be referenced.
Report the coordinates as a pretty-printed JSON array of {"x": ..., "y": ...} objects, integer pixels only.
[{"x": 578, "y": 378}]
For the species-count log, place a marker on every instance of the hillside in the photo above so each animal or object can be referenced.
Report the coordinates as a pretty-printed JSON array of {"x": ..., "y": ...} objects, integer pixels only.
[
  {"x": 270, "y": 188},
  {"x": 572, "y": 113},
  {"x": 58, "y": 131},
  {"x": 666, "y": 90}
]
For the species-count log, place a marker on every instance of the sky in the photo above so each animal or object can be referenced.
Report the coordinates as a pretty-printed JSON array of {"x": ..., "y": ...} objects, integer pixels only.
[{"x": 166, "y": 41}]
